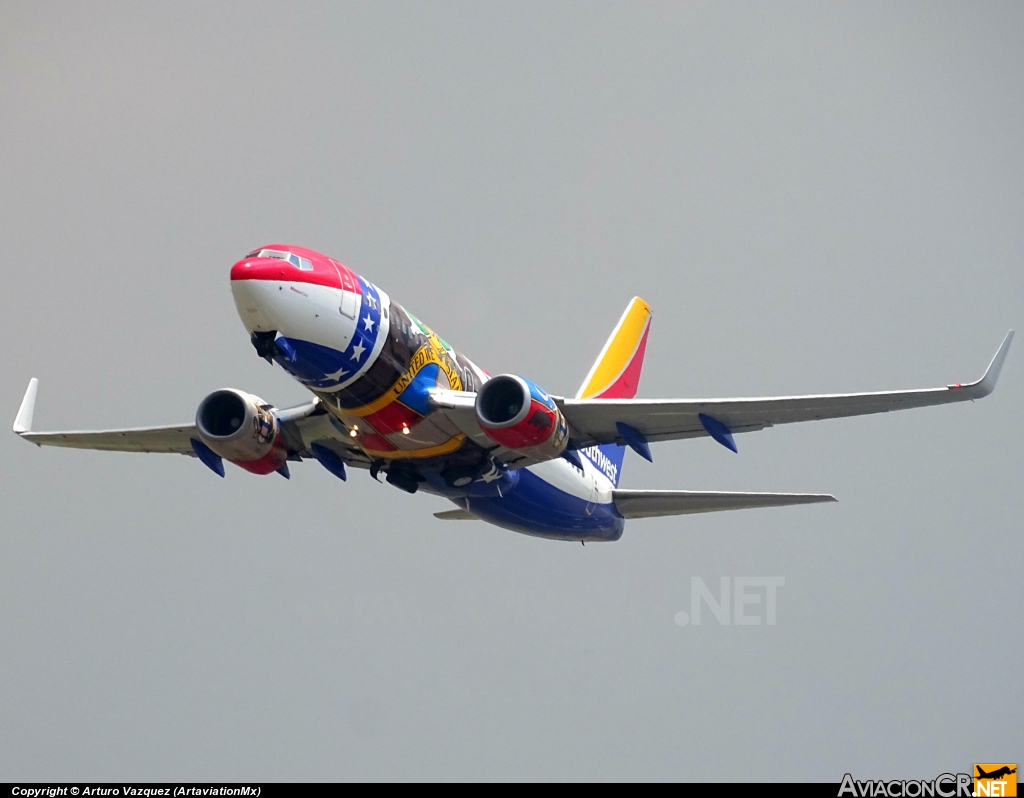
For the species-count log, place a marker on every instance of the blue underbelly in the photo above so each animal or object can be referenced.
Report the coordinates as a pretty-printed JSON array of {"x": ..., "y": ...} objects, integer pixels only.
[{"x": 536, "y": 507}]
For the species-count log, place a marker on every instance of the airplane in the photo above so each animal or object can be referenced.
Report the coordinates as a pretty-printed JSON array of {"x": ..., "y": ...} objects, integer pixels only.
[
  {"x": 391, "y": 396},
  {"x": 995, "y": 774}
]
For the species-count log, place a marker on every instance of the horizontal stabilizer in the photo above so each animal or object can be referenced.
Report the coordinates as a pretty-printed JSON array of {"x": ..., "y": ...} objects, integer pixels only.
[
  {"x": 654, "y": 503},
  {"x": 456, "y": 515}
]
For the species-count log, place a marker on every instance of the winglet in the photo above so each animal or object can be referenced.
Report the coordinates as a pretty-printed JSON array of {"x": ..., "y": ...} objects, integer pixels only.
[
  {"x": 987, "y": 384},
  {"x": 23, "y": 421}
]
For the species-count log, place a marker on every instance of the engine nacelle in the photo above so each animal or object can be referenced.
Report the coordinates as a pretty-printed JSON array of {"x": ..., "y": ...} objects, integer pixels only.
[
  {"x": 243, "y": 429},
  {"x": 517, "y": 414}
]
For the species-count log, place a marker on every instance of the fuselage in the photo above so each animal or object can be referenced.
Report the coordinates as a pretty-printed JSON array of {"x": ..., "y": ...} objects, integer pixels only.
[{"x": 372, "y": 364}]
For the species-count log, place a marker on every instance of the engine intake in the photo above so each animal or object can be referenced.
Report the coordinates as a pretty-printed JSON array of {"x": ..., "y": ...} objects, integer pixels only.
[
  {"x": 241, "y": 428},
  {"x": 519, "y": 415}
]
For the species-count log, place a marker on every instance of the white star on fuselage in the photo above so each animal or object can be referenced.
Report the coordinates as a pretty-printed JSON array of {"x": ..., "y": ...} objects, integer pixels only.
[
  {"x": 369, "y": 300},
  {"x": 336, "y": 375},
  {"x": 357, "y": 351},
  {"x": 368, "y": 323}
]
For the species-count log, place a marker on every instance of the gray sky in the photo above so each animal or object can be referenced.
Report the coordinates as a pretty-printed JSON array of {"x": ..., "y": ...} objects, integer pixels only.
[{"x": 812, "y": 197}]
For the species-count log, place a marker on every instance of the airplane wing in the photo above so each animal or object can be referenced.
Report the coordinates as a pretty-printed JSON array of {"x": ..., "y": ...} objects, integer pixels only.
[
  {"x": 654, "y": 503},
  {"x": 301, "y": 426},
  {"x": 595, "y": 421},
  {"x": 173, "y": 438}
]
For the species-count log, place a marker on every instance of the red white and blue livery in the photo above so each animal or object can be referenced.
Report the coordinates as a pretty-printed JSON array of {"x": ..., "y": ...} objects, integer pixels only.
[{"x": 391, "y": 396}]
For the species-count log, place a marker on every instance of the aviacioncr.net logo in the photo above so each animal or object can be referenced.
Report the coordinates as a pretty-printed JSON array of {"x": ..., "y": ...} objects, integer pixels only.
[{"x": 946, "y": 785}]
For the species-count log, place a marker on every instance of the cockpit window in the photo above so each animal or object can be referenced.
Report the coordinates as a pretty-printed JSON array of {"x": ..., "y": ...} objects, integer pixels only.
[{"x": 291, "y": 257}]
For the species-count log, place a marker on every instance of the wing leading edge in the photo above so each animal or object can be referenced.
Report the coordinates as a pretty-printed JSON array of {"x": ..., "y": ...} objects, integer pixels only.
[{"x": 595, "y": 420}]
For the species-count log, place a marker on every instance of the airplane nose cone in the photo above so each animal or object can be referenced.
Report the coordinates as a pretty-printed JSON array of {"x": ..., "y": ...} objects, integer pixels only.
[
  {"x": 293, "y": 291},
  {"x": 254, "y": 301},
  {"x": 326, "y": 324},
  {"x": 260, "y": 269}
]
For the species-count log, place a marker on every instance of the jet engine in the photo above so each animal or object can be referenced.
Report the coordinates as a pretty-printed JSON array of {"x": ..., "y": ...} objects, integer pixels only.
[
  {"x": 518, "y": 415},
  {"x": 243, "y": 429}
]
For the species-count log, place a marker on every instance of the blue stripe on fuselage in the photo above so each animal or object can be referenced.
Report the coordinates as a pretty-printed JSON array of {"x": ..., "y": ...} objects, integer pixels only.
[
  {"x": 322, "y": 367},
  {"x": 536, "y": 507}
]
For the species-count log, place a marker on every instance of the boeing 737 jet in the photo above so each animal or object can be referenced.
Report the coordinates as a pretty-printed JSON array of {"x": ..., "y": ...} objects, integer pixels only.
[{"x": 391, "y": 396}]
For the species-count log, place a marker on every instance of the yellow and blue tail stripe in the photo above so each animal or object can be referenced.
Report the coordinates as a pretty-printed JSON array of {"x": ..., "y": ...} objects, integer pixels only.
[{"x": 616, "y": 375}]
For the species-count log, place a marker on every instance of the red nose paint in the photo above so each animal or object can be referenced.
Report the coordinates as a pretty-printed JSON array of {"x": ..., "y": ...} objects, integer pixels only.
[{"x": 325, "y": 271}]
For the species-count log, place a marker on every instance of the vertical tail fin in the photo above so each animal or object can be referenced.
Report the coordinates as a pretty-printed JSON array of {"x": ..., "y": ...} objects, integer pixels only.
[{"x": 616, "y": 375}]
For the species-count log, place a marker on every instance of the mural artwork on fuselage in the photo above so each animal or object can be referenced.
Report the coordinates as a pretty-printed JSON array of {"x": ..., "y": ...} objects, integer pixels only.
[
  {"x": 371, "y": 363},
  {"x": 386, "y": 401},
  {"x": 389, "y": 405}
]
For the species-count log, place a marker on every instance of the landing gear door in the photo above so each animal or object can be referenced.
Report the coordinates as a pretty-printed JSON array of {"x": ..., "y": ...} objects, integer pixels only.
[{"x": 349, "y": 292}]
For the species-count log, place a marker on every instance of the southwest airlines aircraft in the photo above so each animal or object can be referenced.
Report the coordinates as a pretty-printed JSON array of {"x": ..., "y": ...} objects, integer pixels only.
[{"x": 391, "y": 396}]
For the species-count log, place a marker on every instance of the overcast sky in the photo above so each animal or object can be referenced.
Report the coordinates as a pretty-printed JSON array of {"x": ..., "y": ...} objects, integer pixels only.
[{"x": 813, "y": 198}]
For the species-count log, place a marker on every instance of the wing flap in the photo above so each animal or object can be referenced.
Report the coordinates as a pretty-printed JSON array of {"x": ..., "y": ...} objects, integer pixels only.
[{"x": 655, "y": 503}]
